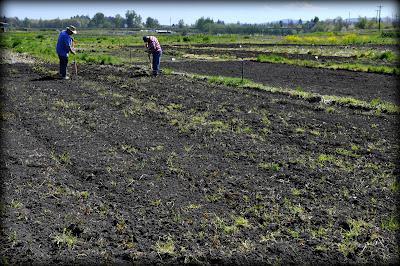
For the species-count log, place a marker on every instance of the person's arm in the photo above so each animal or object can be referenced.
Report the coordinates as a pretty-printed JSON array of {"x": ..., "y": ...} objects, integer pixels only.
[
  {"x": 151, "y": 45},
  {"x": 148, "y": 47},
  {"x": 71, "y": 46}
]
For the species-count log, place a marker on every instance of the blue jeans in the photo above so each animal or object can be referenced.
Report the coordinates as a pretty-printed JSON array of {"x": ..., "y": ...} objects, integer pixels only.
[
  {"x": 156, "y": 62},
  {"x": 63, "y": 65}
]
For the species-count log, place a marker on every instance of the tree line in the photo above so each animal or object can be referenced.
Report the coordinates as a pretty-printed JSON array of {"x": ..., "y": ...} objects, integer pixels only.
[
  {"x": 291, "y": 26},
  {"x": 203, "y": 25},
  {"x": 99, "y": 20}
]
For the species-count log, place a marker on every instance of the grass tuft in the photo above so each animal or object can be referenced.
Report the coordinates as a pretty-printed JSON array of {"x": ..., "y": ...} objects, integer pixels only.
[
  {"x": 165, "y": 247},
  {"x": 66, "y": 238}
]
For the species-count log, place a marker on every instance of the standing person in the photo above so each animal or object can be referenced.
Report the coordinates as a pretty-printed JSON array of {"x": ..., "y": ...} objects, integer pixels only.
[
  {"x": 64, "y": 46},
  {"x": 154, "y": 47}
]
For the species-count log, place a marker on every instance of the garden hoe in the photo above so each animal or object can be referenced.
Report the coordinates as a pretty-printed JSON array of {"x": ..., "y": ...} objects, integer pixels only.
[
  {"x": 150, "y": 65},
  {"x": 75, "y": 66}
]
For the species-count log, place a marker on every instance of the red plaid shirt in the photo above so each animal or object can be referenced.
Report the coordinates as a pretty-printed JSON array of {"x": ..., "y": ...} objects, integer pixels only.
[{"x": 153, "y": 45}]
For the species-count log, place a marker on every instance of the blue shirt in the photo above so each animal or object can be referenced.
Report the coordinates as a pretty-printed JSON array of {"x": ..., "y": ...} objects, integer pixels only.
[{"x": 64, "y": 43}]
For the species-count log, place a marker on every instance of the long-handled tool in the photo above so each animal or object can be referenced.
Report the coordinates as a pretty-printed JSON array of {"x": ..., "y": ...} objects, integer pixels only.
[
  {"x": 240, "y": 46},
  {"x": 75, "y": 66},
  {"x": 150, "y": 64}
]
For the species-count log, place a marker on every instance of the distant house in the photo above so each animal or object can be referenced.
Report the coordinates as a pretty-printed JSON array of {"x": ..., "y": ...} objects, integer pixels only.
[
  {"x": 164, "y": 31},
  {"x": 3, "y": 26}
]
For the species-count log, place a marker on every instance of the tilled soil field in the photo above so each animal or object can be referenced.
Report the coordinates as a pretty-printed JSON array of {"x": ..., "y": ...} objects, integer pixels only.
[
  {"x": 393, "y": 47},
  {"x": 283, "y": 50},
  {"x": 366, "y": 86},
  {"x": 254, "y": 54},
  {"x": 116, "y": 167},
  {"x": 248, "y": 54}
]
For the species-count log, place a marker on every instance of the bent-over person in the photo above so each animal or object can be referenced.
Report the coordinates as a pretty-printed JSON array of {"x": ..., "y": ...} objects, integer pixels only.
[{"x": 154, "y": 47}]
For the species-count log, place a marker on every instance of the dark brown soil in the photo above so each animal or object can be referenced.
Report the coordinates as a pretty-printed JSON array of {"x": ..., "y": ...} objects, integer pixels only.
[
  {"x": 366, "y": 86},
  {"x": 116, "y": 167},
  {"x": 393, "y": 47},
  {"x": 248, "y": 54},
  {"x": 207, "y": 49},
  {"x": 254, "y": 54}
]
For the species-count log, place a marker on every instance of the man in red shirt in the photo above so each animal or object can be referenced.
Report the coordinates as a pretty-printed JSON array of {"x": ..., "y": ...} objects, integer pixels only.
[{"x": 154, "y": 47}]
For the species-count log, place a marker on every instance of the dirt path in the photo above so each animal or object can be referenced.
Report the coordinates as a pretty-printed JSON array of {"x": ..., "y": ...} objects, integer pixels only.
[
  {"x": 365, "y": 86},
  {"x": 116, "y": 167}
]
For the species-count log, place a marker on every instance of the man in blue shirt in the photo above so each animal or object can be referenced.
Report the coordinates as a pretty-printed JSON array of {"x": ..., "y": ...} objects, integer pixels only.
[{"x": 64, "y": 46}]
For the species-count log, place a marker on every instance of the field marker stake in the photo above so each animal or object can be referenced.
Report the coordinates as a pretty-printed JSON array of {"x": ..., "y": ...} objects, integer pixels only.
[
  {"x": 242, "y": 69},
  {"x": 76, "y": 68},
  {"x": 240, "y": 46}
]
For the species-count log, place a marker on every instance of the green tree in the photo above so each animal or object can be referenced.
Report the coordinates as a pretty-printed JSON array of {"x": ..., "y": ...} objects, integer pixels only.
[
  {"x": 97, "y": 20},
  {"x": 119, "y": 21},
  {"x": 27, "y": 22},
  {"x": 203, "y": 24},
  {"x": 133, "y": 19},
  {"x": 362, "y": 23},
  {"x": 371, "y": 24},
  {"x": 338, "y": 24},
  {"x": 41, "y": 23},
  {"x": 181, "y": 24},
  {"x": 108, "y": 22},
  {"x": 80, "y": 21},
  {"x": 152, "y": 23}
]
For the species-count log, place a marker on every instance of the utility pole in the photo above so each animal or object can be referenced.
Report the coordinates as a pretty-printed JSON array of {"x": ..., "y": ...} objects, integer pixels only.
[
  {"x": 376, "y": 18},
  {"x": 379, "y": 20}
]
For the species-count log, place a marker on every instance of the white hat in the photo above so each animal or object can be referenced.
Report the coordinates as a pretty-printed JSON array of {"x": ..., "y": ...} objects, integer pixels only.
[{"x": 72, "y": 29}]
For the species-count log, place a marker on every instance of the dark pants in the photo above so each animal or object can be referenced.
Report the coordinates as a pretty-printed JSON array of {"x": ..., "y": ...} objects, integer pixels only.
[
  {"x": 156, "y": 62},
  {"x": 63, "y": 65}
]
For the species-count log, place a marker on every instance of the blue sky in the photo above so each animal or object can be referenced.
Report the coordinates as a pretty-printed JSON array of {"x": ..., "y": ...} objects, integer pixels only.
[{"x": 190, "y": 11}]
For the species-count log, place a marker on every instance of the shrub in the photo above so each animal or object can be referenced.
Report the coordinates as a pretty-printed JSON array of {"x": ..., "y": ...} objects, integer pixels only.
[
  {"x": 292, "y": 39},
  {"x": 390, "y": 34},
  {"x": 349, "y": 39},
  {"x": 16, "y": 43},
  {"x": 332, "y": 40},
  {"x": 206, "y": 39},
  {"x": 388, "y": 55},
  {"x": 271, "y": 58},
  {"x": 228, "y": 81}
]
